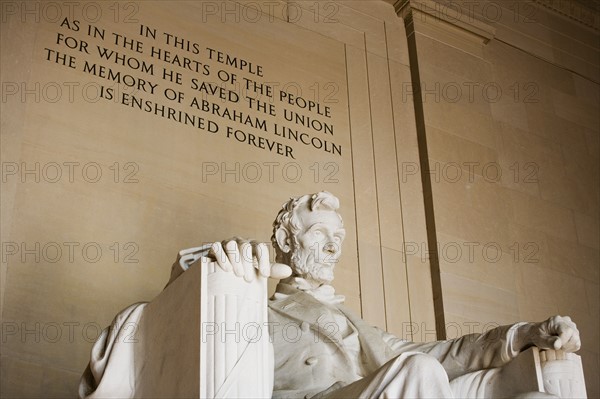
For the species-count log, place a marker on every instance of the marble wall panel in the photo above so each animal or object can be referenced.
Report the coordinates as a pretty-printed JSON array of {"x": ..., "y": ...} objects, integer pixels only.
[{"x": 167, "y": 185}]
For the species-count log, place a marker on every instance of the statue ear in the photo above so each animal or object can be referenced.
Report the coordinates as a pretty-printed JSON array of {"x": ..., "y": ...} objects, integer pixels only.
[{"x": 283, "y": 240}]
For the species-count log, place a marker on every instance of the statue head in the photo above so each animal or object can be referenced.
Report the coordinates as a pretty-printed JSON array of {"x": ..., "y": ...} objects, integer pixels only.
[{"x": 308, "y": 234}]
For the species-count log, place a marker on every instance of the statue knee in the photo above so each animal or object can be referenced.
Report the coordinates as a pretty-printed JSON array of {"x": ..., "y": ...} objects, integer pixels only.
[{"x": 424, "y": 364}]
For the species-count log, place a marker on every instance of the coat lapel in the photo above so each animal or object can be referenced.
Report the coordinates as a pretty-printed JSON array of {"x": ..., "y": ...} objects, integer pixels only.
[
  {"x": 303, "y": 307},
  {"x": 376, "y": 351}
]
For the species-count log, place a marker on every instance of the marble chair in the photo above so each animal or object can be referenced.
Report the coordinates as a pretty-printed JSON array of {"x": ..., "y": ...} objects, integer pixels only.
[
  {"x": 552, "y": 373},
  {"x": 206, "y": 336},
  {"x": 221, "y": 321}
]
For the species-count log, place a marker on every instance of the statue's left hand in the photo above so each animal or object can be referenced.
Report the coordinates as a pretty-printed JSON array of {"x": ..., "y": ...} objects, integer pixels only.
[{"x": 557, "y": 332}]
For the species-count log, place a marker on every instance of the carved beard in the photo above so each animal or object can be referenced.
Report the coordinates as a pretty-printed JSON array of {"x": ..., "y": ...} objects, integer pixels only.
[{"x": 304, "y": 265}]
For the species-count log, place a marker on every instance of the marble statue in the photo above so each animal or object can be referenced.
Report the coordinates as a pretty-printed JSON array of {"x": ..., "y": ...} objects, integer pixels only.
[
  {"x": 338, "y": 355},
  {"x": 332, "y": 353}
]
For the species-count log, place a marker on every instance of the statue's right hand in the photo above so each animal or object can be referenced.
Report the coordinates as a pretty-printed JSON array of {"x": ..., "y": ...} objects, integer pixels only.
[{"x": 247, "y": 259}]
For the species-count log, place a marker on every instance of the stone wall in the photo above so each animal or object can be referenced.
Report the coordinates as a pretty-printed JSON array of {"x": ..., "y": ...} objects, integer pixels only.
[
  {"x": 510, "y": 103},
  {"x": 493, "y": 157},
  {"x": 103, "y": 182}
]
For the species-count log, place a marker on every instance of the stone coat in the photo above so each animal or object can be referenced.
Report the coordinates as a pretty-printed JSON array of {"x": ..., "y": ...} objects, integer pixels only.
[{"x": 310, "y": 355}]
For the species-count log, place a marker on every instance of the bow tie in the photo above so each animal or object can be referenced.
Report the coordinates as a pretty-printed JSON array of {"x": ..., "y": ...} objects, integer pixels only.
[{"x": 324, "y": 293}]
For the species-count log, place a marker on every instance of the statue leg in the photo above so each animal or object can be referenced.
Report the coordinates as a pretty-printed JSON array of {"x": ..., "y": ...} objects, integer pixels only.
[{"x": 409, "y": 375}]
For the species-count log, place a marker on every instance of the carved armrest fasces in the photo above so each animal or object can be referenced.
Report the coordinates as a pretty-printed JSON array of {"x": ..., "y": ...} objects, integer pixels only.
[
  {"x": 205, "y": 336},
  {"x": 236, "y": 360},
  {"x": 562, "y": 373},
  {"x": 554, "y": 372}
]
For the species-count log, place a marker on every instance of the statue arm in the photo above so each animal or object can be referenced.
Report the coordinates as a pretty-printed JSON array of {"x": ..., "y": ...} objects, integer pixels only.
[
  {"x": 496, "y": 347},
  {"x": 468, "y": 353}
]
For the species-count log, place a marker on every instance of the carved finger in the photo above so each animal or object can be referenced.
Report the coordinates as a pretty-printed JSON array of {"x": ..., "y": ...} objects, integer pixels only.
[
  {"x": 574, "y": 344},
  {"x": 249, "y": 272},
  {"x": 556, "y": 343},
  {"x": 221, "y": 257},
  {"x": 279, "y": 270},
  {"x": 239, "y": 240},
  {"x": 577, "y": 344},
  {"x": 233, "y": 253},
  {"x": 570, "y": 347},
  {"x": 262, "y": 256},
  {"x": 565, "y": 333}
]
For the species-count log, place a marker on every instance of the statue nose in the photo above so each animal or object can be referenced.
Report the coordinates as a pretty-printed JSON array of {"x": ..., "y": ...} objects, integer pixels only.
[{"x": 330, "y": 248}]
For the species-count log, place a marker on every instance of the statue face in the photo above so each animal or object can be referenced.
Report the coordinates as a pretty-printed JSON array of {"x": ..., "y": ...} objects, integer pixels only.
[{"x": 318, "y": 245}]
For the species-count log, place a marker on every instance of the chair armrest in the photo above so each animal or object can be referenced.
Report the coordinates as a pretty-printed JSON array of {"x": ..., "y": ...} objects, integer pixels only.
[
  {"x": 562, "y": 373},
  {"x": 549, "y": 371}
]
